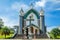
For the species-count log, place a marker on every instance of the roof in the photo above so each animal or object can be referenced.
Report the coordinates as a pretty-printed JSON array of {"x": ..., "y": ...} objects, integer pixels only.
[
  {"x": 33, "y": 26},
  {"x": 31, "y": 10}
]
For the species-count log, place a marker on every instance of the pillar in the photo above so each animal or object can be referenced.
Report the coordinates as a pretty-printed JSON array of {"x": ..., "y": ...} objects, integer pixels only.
[
  {"x": 42, "y": 22},
  {"x": 39, "y": 25},
  {"x": 21, "y": 24},
  {"x": 21, "y": 21}
]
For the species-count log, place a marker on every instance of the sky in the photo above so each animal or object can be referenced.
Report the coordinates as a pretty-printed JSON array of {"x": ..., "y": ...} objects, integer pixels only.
[{"x": 9, "y": 11}]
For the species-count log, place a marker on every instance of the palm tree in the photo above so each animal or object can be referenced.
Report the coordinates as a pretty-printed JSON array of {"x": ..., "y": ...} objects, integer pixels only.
[{"x": 6, "y": 31}]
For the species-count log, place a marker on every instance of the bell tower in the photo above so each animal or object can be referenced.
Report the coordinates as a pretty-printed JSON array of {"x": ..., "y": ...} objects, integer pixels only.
[
  {"x": 42, "y": 23},
  {"x": 21, "y": 21}
]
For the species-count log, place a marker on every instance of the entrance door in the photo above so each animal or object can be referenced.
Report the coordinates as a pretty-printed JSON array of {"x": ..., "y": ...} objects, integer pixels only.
[
  {"x": 32, "y": 30},
  {"x": 26, "y": 31},
  {"x": 35, "y": 31}
]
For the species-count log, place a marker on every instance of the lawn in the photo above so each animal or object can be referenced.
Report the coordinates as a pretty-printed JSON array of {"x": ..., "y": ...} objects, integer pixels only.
[
  {"x": 58, "y": 37},
  {"x": 8, "y": 36}
]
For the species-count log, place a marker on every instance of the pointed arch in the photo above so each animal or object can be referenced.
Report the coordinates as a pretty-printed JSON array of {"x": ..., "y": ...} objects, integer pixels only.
[{"x": 30, "y": 11}]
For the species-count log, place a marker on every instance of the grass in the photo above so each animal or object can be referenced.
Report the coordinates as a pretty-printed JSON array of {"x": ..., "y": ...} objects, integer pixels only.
[
  {"x": 7, "y": 36},
  {"x": 58, "y": 37}
]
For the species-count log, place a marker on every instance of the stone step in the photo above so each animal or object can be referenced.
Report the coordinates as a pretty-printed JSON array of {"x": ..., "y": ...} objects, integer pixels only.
[{"x": 36, "y": 36}]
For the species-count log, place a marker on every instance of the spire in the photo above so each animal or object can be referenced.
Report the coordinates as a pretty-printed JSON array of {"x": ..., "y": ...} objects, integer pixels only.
[
  {"x": 42, "y": 11},
  {"x": 31, "y": 5},
  {"x": 21, "y": 12}
]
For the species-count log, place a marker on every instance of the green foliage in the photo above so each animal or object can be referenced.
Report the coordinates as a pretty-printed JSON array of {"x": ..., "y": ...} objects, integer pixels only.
[
  {"x": 5, "y": 31},
  {"x": 7, "y": 36},
  {"x": 1, "y": 23},
  {"x": 55, "y": 32}
]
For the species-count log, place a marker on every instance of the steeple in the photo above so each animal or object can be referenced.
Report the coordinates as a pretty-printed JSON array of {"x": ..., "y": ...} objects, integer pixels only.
[
  {"x": 42, "y": 22},
  {"x": 42, "y": 12},
  {"x": 31, "y": 5},
  {"x": 21, "y": 12},
  {"x": 21, "y": 22}
]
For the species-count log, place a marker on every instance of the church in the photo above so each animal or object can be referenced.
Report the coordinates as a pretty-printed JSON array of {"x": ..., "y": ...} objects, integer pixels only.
[{"x": 32, "y": 24}]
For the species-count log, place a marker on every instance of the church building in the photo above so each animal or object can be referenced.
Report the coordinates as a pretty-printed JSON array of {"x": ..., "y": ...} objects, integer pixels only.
[{"x": 32, "y": 23}]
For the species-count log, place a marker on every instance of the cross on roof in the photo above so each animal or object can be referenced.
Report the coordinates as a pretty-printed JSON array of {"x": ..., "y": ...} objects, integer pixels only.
[
  {"x": 31, "y": 5},
  {"x": 30, "y": 19}
]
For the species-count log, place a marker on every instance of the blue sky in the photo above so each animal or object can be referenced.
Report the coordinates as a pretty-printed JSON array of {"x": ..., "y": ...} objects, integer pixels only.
[{"x": 9, "y": 11}]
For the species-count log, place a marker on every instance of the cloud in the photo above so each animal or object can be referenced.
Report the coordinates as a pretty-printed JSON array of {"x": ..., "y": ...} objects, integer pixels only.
[
  {"x": 57, "y": 9},
  {"x": 48, "y": 15},
  {"x": 17, "y": 6},
  {"x": 8, "y": 22},
  {"x": 50, "y": 28},
  {"x": 52, "y": 4},
  {"x": 40, "y": 3},
  {"x": 10, "y": 11}
]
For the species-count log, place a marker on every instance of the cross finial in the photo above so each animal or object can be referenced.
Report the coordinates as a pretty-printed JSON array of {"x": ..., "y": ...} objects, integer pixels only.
[
  {"x": 41, "y": 11},
  {"x": 31, "y": 5},
  {"x": 21, "y": 11}
]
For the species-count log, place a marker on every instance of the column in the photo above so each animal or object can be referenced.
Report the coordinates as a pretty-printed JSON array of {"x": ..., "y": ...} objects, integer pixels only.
[
  {"x": 42, "y": 25},
  {"x": 39, "y": 25},
  {"x": 24, "y": 22},
  {"x": 19, "y": 26}
]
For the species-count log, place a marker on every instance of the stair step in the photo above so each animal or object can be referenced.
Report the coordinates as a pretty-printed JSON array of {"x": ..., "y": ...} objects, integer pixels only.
[{"x": 37, "y": 37}]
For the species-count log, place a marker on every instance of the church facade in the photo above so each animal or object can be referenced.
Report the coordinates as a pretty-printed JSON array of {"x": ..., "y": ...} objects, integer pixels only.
[{"x": 31, "y": 30}]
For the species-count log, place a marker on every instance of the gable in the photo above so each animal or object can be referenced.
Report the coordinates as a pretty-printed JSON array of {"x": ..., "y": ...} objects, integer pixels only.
[{"x": 30, "y": 11}]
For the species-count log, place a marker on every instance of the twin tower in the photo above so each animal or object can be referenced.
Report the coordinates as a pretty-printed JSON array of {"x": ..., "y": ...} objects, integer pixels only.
[{"x": 40, "y": 19}]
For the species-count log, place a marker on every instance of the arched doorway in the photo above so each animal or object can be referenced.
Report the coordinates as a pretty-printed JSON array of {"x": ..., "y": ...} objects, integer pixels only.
[
  {"x": 32, "y": 30},
  {"x": 35, "y": 31}
]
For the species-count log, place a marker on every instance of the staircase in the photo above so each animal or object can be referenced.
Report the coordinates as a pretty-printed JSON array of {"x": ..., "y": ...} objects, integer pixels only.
[
  {"x": 20, "y": 37},
  {"x": 44, "y": 36},
  {"x": 36, "y": 36}
]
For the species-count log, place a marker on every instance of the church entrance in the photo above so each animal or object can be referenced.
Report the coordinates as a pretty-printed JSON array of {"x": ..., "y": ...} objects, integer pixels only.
[
  {"x": 35, "y": 31},
  {"x": 31, "y": 31}
]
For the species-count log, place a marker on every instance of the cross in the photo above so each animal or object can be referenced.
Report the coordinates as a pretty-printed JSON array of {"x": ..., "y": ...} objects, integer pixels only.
[{"x": 30, "y": 19}]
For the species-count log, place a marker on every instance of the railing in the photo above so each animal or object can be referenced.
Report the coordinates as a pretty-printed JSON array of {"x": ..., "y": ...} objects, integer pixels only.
[{"x": 48, "y": 35}]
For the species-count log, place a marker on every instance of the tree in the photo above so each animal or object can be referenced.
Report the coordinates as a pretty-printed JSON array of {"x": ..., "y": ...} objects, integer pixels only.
[
  {"x": 1, "y": 23},
  {"x": 5, "y": 31},
  {"x": 55, "y": 32},
  {"x": 12, "y": 31}
]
